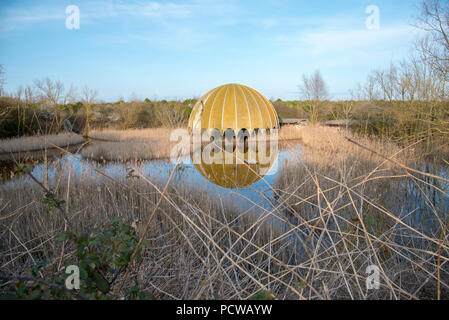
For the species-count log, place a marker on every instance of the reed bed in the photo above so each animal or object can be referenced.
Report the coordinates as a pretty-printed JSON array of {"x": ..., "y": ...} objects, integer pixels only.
[
  {"x": 358, "y": 209},
  {"x": 112, "y": 145},
  {"x": 127, "y": 151},
  {"x": 290, "y": 132},
  {"x": 133, "y": 135},
  {"x": 36, "y": 143},
  {"x": 339, "y": 209},
  {"x": 146, "y": 144}
]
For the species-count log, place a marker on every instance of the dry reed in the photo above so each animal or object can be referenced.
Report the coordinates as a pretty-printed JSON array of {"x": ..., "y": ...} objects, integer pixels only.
[
  {"x": 36, "y": 143},
  {"x": 341, "y": 209}
]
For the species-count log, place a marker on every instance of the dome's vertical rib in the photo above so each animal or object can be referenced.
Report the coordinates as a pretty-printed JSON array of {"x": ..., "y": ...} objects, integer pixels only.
[
  {"x": 197, "y": 107},
  {"x": 247, "y": 109},
  {"x": 235, "y": 107},
  {"x": 236, "y": 121},
  {"x": 264, "y": 108},
  {"x": 263, "y": 111},
  {"x": 256, "y": 111},
  {"x": 224, "y": 111},
  {"x": 270, "y": 108},
  {"x": 214, "y": 109},
  {"x": 216, "y": 97},
  {"x": 267, "y": 109}
]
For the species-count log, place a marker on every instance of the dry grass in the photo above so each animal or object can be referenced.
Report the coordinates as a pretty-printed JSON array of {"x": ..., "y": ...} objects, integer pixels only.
[
  {"x": 342, "y": 209},
  {"x": 145, "y": 144},
  {"x": 36, "y": 143},
  {"x": 330, "y": 144},
  {"x": 127, "y": 145},
  {"x": 135, "y": 135},
  {"x": 127, "y": 151},
  {"x": 356, "y": 209},
  {"x": 290, "y": 132},
  {"x": 113, "y": 145}
]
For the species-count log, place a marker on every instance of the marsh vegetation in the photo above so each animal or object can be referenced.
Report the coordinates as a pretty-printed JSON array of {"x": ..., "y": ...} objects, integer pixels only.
[
  {"x": 373, "y": 193},
  {"x": 333, "y": 209}
]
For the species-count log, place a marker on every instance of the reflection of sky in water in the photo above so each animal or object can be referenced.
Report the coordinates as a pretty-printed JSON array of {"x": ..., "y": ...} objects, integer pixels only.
[
  {"x": 424, "y": 200},
  {"x": 250, "y": 198}
]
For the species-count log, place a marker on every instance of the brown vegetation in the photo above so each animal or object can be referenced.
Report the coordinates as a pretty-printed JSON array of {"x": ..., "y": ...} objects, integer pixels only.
[
  {"x": 36, "y": 143},
  {"x": 375, "y": 194},
  {"x": 339, "y": 209}
]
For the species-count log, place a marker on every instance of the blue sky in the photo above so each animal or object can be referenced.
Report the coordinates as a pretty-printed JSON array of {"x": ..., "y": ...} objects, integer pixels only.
[{"x": 180, "y": 49}]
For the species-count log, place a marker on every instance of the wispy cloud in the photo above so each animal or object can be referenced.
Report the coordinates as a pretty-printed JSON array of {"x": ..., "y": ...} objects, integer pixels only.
[
  {"x": 12, "y": 17},
  {"x": 227, "y": 40},
  {"x": 327, "y": 41},
  {"x": 185, "y": 39},
  {"x": 324, "y": 41},
  {"x": 151, "y": 9}
]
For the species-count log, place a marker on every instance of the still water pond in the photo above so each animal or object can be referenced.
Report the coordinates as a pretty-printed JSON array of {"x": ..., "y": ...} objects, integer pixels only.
[{"x": 246, "y": 185}]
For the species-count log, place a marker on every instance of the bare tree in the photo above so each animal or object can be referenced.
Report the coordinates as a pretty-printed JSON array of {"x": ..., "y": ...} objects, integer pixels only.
[
  {"x": 29, "y": 95},
  {"x": 314, "y": 90},
  {"x": 51, "y": 92},
  {"x": 387, "y": 81},
  {"x": 434, "y": 47},
  {"x": 29, "y": 98},
  {"x": 170, "y": 116},
  {"x": 423, "y": 76},
  {"x": 19, "y": 95},
  {"x": 2, "y": 79},
  {"x": 88, "y": 98},
  {"x": 410, "y": 80},
  {"x": 357, "y": 93},
  {"x": 70, "y": 95}
]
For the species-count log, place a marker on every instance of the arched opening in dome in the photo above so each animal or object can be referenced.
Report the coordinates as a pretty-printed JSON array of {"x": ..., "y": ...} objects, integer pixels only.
[
  {"x": 242, "y": 140},
  {"x": 254, "y": 138},
  {"x": 214, "y": 136},
  {"x": 229, "y": 140},
  {"x": 255, "y": 132}
]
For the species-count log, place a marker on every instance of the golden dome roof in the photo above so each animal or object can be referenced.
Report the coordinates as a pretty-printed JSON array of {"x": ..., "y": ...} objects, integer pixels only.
[{"x": 233, "y": 106}]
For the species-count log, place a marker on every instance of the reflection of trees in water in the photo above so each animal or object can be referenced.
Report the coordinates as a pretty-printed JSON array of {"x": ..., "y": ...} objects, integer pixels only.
[
  {"x": 8, "y": 162},
  {"x": 7, "y": 170}
]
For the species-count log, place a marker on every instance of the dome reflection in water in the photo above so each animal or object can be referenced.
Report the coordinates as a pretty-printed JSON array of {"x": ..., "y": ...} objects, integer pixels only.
[{"x": 242, "y": 169}]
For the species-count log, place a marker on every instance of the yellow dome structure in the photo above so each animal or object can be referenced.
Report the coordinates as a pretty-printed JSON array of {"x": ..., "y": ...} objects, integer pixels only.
[{"x": 233, "y": 106}]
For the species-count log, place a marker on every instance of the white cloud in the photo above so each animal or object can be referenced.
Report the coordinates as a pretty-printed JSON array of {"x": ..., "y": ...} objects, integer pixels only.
[
  {"x": 152, "y": 9},
  {"x": 327, "y": 41},
  {"x": 12, "y": 17},
  {"x": 181, "y": 38},
  {"x": 322, "y": 42},
  {"x": 31, "y": 15}
]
